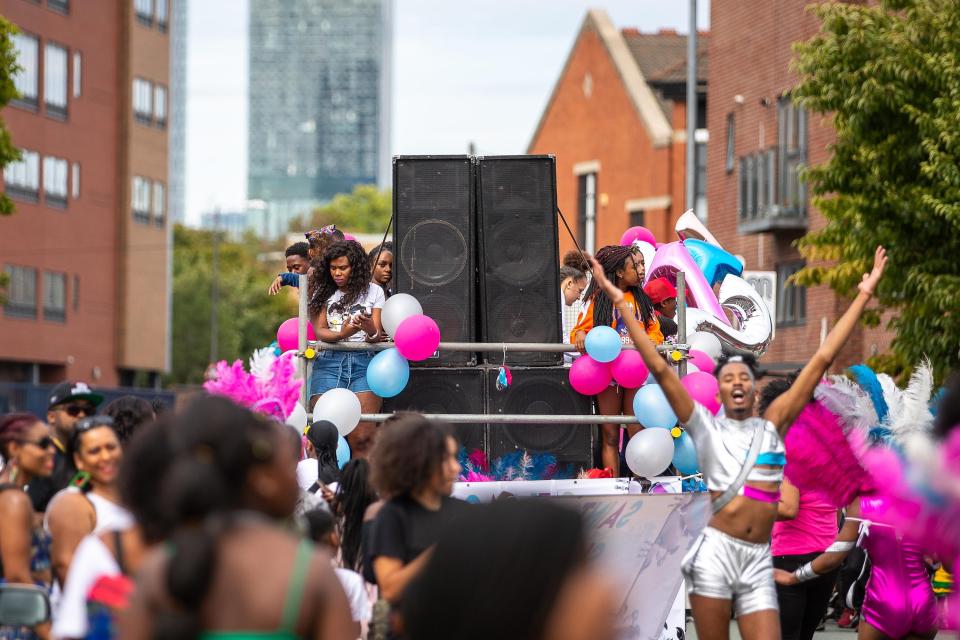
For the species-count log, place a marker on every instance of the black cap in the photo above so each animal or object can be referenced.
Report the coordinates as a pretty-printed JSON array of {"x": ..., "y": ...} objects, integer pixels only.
[{"x": 73, "y": 390}]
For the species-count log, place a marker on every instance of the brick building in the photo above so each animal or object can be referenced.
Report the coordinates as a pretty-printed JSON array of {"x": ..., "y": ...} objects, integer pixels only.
[
  {"x": 758, "y": 205},
  {"x": 87, "y": 249},
  {"x": 616, "y": 122}
]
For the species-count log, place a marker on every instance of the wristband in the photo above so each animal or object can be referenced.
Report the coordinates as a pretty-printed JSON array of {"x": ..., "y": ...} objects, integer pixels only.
[{"x": 806, "y": 573}]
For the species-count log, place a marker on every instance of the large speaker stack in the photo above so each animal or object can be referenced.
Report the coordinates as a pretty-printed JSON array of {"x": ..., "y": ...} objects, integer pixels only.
[{"x": 476, "y": 242}]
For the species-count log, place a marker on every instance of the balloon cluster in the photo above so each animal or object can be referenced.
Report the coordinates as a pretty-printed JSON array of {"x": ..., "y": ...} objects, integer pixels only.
[{"x": 416, "y": 337}]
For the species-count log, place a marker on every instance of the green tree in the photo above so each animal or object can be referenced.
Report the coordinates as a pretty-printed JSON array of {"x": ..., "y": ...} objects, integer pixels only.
[
  {"x": 247, "y": 317},
  {"x": 888, "y": 77},
  {"x": 8, "y": 91},
  {"x": 366, "y": 210}
]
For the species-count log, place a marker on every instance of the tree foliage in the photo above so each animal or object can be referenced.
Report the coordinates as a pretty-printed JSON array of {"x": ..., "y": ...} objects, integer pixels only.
[
  {"x": 247, "y": 317},
  {"x": 888, "y": 76},
  {"x": 8, "y": 91},
  {"x": 366, "y": 210}
]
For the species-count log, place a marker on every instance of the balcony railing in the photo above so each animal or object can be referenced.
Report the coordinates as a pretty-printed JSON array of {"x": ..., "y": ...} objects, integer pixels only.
[{"x": 771, "y": 196}]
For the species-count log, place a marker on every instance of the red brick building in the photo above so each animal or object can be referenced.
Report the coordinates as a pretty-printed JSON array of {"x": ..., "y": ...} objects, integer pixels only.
[
  {"x": 616, "y": 121},
  {"x": 87, "y": 248},
  {"x": 758, "y": 206}
]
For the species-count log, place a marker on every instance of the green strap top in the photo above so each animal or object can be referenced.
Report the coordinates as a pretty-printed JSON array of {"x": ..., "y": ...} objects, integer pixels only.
[{"x": 291, "y": 604}]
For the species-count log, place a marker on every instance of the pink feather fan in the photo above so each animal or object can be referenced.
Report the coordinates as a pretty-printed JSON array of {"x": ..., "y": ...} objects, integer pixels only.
[{"x": 271, "y": 388}]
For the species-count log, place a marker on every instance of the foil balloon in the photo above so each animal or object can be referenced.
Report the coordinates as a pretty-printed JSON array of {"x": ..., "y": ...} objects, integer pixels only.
[
  {"x": 674, "y": 257},
  {"x": 754, "y": 325},
  {"x": 714, "y": 262},
  {"x": 689, "y": 226}
]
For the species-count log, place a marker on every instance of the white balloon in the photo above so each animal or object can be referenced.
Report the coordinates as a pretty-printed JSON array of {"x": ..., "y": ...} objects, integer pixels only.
[
  {"x": 650, "y": 452},
  {"x": 706, "y": 342},
  {"x": 298, "y": 418},
  {"x": 341, "y": 407},
  {"x": 397, "y": 309}
]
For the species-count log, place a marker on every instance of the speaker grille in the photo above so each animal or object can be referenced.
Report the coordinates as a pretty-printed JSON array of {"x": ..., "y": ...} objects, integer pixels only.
[
  {"x": 519, "y": 261},
  {"x": 433, "y": 204},
  {"x": 541, "y": 391}
]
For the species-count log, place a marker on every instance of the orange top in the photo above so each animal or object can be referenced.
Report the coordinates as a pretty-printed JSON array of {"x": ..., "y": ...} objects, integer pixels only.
[{"x": 585, "y": 322}]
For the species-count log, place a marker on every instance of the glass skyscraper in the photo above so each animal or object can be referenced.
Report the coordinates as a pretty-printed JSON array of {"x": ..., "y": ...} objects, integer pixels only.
[{"x": 319, "y": 100}]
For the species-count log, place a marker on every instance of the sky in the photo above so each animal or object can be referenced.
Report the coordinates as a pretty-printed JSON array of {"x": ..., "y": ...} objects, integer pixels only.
[{"x": 463, "y": 72}]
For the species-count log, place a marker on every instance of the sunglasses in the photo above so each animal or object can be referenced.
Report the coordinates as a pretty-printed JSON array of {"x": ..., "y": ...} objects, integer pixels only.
[
  {"x": 74, "y": 410},
  {"x": 85, "y": 424},
  {"x": 44, "y": 443}
]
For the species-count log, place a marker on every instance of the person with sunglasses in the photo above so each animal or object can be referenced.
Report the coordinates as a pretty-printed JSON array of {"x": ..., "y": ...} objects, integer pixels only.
[
  {"x": 27, "y": 451},
  {"x": 91, "y": 503},
  {"x": 69, "y": 401}
]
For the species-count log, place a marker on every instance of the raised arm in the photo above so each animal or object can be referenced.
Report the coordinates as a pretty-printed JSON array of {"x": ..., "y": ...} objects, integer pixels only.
[
  {"x": 785, "y": 409},
  {"x": 680, "y": 401}
]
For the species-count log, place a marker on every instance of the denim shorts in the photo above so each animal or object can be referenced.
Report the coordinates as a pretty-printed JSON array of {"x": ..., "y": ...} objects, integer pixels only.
[{"x": 340, "y": 369}]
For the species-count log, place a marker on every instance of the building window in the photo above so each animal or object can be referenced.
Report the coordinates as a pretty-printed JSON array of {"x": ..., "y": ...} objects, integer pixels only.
[
  {"x": 77, "y": 74},
  {"x": 55, "y": 181},
  {"x": 21, "y": 293},
  {"x": 76, "y": 292},
  {"x": 140, "y": 199},
  {"x": 730, "y": 158},
  {"x": 636, "y": 218},
  {"x": 55, "y": 79},
  {"x": 159, "y": 204},
  {"x": 75, "y": 180},
  {"x": 22, "y": 177},
  {"x": 144, "y": 11},
  {"x": 160, "y": 105},
  {"x": 792, "y": 148},
  {"x": 63, "y": 6},
  {"x": 161, "y": 14},
  {"x": 55, "y": 296},
  {"x": 791, "y": 298},
  {"x": 142, "y": 100},
  {"x": 587, "y": 211},
  {"x": 26, "y": 80}
]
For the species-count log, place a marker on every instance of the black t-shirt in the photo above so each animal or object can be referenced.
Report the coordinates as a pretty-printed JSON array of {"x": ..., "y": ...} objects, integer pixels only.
[
  {"x": 403, "y": 529},
  {"x": 42, "y": 490}
]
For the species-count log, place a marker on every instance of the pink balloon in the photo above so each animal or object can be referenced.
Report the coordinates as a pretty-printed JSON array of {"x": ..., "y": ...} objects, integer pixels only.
[
  {"x": 703, "y": 388},
  {"x": 589, "y": 377},
  {"x": 347, "y": 236},
  {"x": 417, "y": 338},
  {"x": 637, "y": 233},
  {"x": 288, "y": 334},
  {"x": 629, "y": 370},
  {"x": 703, "y": 360}
]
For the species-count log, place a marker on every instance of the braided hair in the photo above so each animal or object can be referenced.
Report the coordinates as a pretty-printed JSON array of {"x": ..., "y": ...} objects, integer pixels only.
[
  {"x": 322, "y": 286},
  {"x": 611, "y": 258},
  {"x": 354, "y": 494}
]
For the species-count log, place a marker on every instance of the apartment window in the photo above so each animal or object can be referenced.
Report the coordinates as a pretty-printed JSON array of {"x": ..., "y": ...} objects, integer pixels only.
[
  {"x": 159, "y": 203},
  {"x": 142, "y": 100},
  {"x": 160, "y": 105},
  {"x": 587, "y": 211},
  {"x": 21, "y": 293},
  {"x": 55, "y": 296},
  {"x": 161, "y": 14},
  {"x": 791, "y": 298},
  {"x": 731, "y": 152},
  {"x": 55, "y": 79},
  {"x": 144, "y": 11},
  {"x": 75, "y": 180},
  {"x": 63, "y": 6},
  {"x": 22, "y": 177},
  {"x": 76, "y": 292},
  {"x": 55, "y": 181},
  {"x": 792, "y": 149},
  {"x": 77, "y": 74},
  {"x": 636, "y": 218},
  {"x": 27, "y": 79},
  {"x": 141, "y": 199}
]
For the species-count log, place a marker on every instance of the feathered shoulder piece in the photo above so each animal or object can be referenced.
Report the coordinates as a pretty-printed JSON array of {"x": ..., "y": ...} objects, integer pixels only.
[{"x": 271, "y": 387}]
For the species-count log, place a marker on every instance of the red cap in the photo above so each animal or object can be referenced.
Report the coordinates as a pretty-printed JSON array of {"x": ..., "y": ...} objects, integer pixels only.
[{"x": 659, "y": 290}]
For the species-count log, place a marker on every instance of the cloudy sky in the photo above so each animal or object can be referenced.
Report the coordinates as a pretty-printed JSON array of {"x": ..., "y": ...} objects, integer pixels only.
[{"x": 462, "y": 72}]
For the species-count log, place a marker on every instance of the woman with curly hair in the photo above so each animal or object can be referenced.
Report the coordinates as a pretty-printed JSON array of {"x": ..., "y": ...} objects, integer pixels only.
[
  {"x": 345, "y": 307},
  {"x": 624, "y": 267},
  {"x": 414, "y": 465}
]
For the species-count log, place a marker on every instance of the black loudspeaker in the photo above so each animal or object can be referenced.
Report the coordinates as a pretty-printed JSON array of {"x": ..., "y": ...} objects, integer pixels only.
[
  {"x": 446, "y": 391},
  {"x": 434, "y": 239},
  {"x": 544, "y": 391},
  {"x": 519, "y": 262}
]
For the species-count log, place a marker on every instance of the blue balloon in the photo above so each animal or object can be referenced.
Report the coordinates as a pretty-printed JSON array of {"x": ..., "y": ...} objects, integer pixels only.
[
  {"x": 652, "y": 408},
  {"x": 343, "y": 452},
  {"x": 603, "y": 344},
  {"x": 388, "y": 373},
  {"x": 715, "y": 263},
  {"x": 685, "y": 454}
]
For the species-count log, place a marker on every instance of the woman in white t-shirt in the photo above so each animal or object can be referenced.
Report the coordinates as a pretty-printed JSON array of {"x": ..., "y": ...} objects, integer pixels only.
[{"x": 345, "y": 307}]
